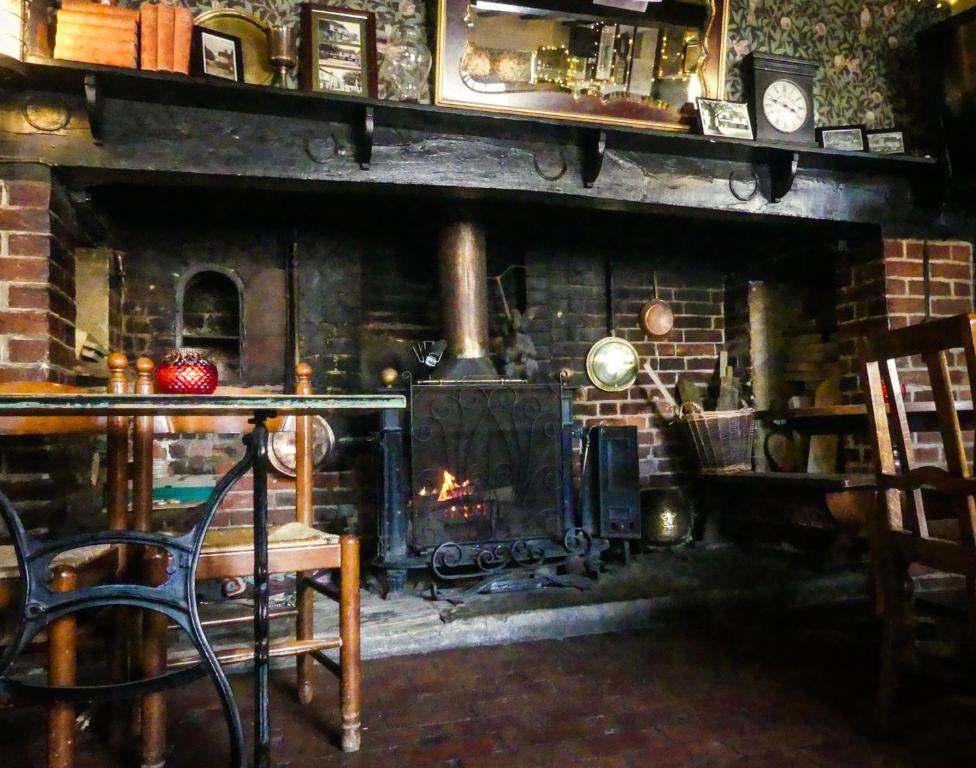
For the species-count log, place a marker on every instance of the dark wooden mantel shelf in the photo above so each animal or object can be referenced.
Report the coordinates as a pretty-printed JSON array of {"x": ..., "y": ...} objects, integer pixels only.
[
  {"x": 179, "y": 90},
  {"x": 151, "y": 127}
]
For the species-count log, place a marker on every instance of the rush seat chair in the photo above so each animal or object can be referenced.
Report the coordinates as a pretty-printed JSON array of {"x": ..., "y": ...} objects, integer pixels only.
[{"x": 296, "y": 547}]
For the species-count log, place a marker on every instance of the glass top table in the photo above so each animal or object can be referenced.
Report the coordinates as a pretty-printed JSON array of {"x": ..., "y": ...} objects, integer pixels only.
[
  {"x": 162, "y": 405},
  {"x": 177, "y": 597}
]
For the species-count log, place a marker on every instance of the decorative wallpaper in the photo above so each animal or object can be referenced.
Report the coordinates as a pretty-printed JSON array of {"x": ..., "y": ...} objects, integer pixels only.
[
  {"x": 389, "y": 13},
  {"x": 865, "y": 48}
]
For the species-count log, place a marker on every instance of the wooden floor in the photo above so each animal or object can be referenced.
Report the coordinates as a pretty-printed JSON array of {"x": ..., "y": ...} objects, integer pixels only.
[{"x": 793, "y": 691}]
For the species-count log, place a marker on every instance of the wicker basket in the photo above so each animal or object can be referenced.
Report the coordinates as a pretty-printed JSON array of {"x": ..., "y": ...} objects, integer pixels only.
[{"x": 722, "y": 439}]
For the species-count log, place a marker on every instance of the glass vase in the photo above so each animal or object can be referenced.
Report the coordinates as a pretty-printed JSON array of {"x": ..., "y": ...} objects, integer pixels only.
[{"x": 406, "y": 65}]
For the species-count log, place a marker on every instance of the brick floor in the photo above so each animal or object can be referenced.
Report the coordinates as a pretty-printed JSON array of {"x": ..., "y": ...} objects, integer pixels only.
[{"x": 788, "y": 691}]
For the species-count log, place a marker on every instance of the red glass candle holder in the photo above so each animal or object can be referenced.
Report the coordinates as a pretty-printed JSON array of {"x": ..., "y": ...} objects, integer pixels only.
[
  {"x": 186, "y": 372},
  {"x": 884, "y": 391}
]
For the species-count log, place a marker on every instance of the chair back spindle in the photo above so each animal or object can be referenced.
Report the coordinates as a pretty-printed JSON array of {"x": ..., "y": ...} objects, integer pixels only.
[
  {"x": 117, "y": 452},
  {"x": 303, "y": 450},
  {"x": 142, "y": 452}
]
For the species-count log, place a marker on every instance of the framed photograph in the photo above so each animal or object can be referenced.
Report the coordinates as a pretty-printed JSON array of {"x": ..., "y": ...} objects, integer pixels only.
[
  {"x": 614, "y": 62},
  {"x": 215, "y": 54},
  {"x": 338, "y": 50},
  {"x": 886, "y": 142},
  {"x": 729, "y": 119},
  {"x": 846, "y": 138}
]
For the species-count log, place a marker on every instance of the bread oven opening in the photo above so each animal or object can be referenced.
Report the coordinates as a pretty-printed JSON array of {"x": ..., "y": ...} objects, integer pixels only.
[{"x": 208, "y": 318}]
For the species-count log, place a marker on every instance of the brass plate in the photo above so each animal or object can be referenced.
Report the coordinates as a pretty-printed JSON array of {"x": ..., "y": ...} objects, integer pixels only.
[
  {"x": 254, "y": 40},
  {"x": 612, "y": 364}
]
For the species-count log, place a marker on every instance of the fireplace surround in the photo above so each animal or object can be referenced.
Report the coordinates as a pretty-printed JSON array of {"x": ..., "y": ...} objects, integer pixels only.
[{"x": 353, "y": 275}]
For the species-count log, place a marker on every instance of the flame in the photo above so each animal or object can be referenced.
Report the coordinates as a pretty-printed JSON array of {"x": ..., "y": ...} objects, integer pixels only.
[{"x": 451, "y": 489}]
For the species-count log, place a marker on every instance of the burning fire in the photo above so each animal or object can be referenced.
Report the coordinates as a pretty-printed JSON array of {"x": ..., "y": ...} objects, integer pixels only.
[{"x": 451, "y": 489}]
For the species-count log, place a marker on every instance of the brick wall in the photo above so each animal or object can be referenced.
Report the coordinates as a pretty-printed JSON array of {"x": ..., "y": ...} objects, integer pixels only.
[
  {"x": 884, "y": 287},
  {"x": 49, "y": 480},
  {"x": 569, "y": 289},
  {"x": 37, "y": 311}
]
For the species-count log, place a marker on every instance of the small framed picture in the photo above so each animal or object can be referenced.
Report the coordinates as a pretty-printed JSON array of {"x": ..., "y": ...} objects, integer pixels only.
[
  {"x": 846, "y": 138},
  {"x": 729, "y": 119},
  {"x": 886, "y": 142},
  {"x": 215, "y": 54},
  {"x": 338, "y": 50}
]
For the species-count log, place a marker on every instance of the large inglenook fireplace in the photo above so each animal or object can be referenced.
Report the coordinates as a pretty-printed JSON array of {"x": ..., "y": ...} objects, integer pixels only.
[{"x": 489, "y": 460}]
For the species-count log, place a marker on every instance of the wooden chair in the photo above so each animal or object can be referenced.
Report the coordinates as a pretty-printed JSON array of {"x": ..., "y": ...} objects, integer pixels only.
[
  {"x": 900, "y": 532},
  {"x": 77, "y": 568},
  {"x": 294, "y": 548}
]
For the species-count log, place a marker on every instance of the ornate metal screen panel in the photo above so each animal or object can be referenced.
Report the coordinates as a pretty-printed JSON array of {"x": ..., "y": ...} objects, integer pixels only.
[{"x": 485, "y": 461}]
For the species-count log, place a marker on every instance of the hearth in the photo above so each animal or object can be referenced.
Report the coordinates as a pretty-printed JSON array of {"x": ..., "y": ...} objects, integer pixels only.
[{"x": 490, "y": 459}]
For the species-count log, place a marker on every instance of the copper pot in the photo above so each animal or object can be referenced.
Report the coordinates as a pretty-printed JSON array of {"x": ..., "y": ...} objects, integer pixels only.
[{"x": 656, "y": 316}]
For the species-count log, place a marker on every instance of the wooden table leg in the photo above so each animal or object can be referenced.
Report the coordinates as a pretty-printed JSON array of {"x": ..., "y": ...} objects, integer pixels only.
[
  {"x": 349, "y": 658},
  {"x": 154, "y": 629},
  {"x": 62, "y": 666}
]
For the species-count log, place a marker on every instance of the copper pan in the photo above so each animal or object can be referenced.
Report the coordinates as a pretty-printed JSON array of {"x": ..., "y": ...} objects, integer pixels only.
[{"x": 656, "y": 316}]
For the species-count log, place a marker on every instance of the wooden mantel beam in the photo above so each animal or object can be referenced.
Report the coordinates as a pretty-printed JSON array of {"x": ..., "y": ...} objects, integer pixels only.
[{"x": 150, "y": 143}]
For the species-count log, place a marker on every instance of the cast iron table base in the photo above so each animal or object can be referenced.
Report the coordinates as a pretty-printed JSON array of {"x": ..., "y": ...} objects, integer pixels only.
[{"x": 175, "y": 598}]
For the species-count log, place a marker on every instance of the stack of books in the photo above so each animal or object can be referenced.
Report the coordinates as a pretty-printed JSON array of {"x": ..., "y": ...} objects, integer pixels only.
[
  {"x": 96, "y": 34},
  {"x": 166, "y": 35}
]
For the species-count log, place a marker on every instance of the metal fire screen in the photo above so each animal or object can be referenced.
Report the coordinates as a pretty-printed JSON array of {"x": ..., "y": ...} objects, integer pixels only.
[{"x": 486, "y": 463}]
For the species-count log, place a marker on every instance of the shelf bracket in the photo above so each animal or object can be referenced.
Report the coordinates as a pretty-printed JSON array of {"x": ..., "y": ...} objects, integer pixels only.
[
  {"x": 364, "y": 137},
  {"x": 778, "y": 173},
  {"x": 594, "y": 145},
  {"x": 95, "y": 106}
]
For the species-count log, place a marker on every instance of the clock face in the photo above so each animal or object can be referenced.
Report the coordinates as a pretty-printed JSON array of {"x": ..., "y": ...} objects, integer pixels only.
[{"x": 785, "y": 106}]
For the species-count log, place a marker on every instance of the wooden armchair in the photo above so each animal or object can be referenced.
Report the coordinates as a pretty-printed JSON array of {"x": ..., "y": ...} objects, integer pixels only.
[
  {"x": 78, "y": 568},
  {"x": 902, "y": 533},
  {"x": 293, "y": 548}
]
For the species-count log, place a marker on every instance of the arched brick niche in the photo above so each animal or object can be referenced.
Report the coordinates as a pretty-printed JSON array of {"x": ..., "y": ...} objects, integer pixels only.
[{"x": 209, "y": 317}]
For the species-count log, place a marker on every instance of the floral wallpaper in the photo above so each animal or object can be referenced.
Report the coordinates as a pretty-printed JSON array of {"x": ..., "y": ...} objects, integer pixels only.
[
  {"x": 865, "y": 48},
  {"x": 389, "y": 14}
]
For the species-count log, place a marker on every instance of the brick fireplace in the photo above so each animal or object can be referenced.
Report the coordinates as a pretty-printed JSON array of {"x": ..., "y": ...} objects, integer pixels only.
[{"x": 366, "y": 294}]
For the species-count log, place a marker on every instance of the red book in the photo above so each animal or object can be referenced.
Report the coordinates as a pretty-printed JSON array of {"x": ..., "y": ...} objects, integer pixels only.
[
  {"x": 149, "y": 15},
  {"x": 91, "y": 55},
  {"x": 182, "y": 36},
  {"x": 97, "y": 9},
  {"x": 164, "y": 38},
  {"x": 90, "y": 21}
]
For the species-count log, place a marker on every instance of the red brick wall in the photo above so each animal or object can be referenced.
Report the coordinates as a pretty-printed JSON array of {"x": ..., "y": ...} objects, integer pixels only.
[
  {"x": 690, "y": 351},
  {"x": 48, "y": 479},
  {"x": 37, "y": 310},
  {"x": 205, "y": 458},
  {"x": 570, "y": 292},
  {"x": 886, "y": 289}
]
